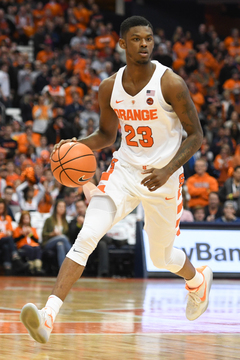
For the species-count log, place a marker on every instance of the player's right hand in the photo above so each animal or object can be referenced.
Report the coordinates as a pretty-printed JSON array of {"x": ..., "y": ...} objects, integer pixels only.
[{"x": 57, "y": 146}]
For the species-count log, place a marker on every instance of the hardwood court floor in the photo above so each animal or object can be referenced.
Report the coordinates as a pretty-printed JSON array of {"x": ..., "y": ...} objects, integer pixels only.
[{"x": 115, "y": 319}]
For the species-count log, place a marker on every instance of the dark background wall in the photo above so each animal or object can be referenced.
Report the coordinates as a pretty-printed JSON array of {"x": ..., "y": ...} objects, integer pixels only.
[{"x": 168, "y": 14}]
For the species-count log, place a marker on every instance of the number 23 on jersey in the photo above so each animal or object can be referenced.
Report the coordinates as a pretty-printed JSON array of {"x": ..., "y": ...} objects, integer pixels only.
[{"x": 145, "y": 131}]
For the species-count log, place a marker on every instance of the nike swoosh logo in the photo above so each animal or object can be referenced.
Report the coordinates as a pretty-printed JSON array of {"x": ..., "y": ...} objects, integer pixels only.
[
  {"x": 117, "y": 101},
  {"x": 166, "y": 198},
  {"x": 46, "y": 324},
  {"x": 205, "y": 289},
  {"x": 81, "y": 179},
  {"x": 77, "y": 251}
]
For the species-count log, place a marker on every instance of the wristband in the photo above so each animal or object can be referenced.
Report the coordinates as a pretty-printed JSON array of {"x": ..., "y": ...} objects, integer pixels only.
[{"x": 230, "y": 196}]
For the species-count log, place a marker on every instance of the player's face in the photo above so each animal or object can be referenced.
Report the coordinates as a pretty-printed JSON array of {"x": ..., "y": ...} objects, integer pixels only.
[{"x": 139, "y": 44}]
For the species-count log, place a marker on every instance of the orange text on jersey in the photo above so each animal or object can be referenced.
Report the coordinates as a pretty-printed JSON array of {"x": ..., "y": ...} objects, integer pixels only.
[{"x": 136, "y": 114}]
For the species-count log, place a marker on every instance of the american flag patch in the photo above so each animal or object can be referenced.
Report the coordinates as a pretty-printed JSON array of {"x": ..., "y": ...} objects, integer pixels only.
[{"x": 150, "y": 92}]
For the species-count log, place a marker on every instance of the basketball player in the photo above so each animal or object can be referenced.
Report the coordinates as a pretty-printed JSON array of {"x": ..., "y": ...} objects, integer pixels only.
[{"x": 153, "y": 105}]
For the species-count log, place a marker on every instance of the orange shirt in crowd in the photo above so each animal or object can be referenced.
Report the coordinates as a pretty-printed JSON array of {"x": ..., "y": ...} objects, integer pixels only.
[
  {"x": 44, "y": 111},
  {"x": 45, "y": 204},
  {"x": 82, "y": 15},
  {"x": 70, "y": 90},
  {"x": 199, "y": 188},
  {"x": 25, "y": 240},
  {"x": 208, "y": 60},
  {"x": 23, "y": 142},
  {"x": 198, "y": 100},
  {"x": 10, "y": 179},
  {"x": 228, "y": 41},
  {"x": 223, "y": 166},
  {"x": 44, "y": 56},
  {"x": 38, "y": 16},
  {"x": 103, "y": 41},
  {"x": 78, "y": 65},
  {"x": 231, "y": 84},
  {"x": 55, "y": 8},
  {"x": 234, "y": 50},
  {"x": 5, "y": 225},
  {"x": 182, "y": 50}
]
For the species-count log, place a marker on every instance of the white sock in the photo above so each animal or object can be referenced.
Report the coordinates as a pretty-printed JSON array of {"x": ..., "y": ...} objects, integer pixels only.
[
  {"x": 55, "y": 304},
  {"x": 196, "y": 281}
]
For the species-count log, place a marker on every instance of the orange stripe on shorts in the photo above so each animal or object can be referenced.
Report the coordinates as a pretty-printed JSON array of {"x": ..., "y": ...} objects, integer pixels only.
[
  {"x": 105, "y": 175},
  {"x": 179, "y": 208}
]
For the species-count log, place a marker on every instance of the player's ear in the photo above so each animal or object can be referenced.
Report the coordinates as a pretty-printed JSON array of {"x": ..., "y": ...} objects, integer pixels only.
[{"x": 122, "y": 43}]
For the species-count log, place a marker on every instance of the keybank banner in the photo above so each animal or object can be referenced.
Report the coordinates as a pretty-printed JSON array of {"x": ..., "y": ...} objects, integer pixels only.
[{"x": 220, "y": 249}]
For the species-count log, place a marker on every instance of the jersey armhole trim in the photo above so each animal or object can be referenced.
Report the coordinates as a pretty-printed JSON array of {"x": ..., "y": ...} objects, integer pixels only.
[{"x": 167, "y": 107}]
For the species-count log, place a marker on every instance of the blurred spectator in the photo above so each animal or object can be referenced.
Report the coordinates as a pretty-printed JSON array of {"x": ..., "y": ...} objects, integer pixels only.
[
  {"x": 54, "y": 89},
  {"x": 191, "y": 63},
  {"x": 70, "y": 195},
  {"x": 26, "y": 105},
  {"x": 229, "y": 211},
  {"x": 74, "y": 108},
  {"x": 55, "y": 233},
  {"x": 4, "y": 85},
  {"x": 42, "y": 146},
  {"x": 45, "y": 54},
  {"x": 8, "y": 193},
  {"x": 118, "y": 63},
  {"x": 46, "y": 202},
  {"x": 42, "y": 79},
  {"x": 226, "y": 71},
  {"x": 233, "y": 83},
  {"x": 24, "y": 80},
  {"x": 11, "y": 173},
  {"x": 223, "y": 137},
  {"x": 38, "y": 39},
  {"x": 10, "y": 254},
  {"x": 187, "y": 215},
  {"x": 28, "y": 138},
  {"x": 206, "y": 58},
  {"x": 227, "y": 105},
  {"x": 200, "y": 185},
  {"x": 7, "y": 143},
  {"x": 72, "y": 89},
  {"x": 42, "y": 113},
  {"x": 231, "y": 189},
  {"x": 202, "y": 36},
  {"x": 233, "y": 119},
  {"x": 58, "y": 129},
  {"x": 198, "y": 213},
  {"x": 88, "y": 113},
  {"x": 26, "y": 238},
  {"x": 3, "y": 183},
  {"x": 213, "y": 210},
  {"x": 196, "y": 96},
  {"x": 222, "y": 163},
  {"x": 27, "y": 199}
]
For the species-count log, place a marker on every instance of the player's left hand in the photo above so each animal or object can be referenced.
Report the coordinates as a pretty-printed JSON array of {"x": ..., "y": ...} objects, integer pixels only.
[{"x": 156, "y": 179}]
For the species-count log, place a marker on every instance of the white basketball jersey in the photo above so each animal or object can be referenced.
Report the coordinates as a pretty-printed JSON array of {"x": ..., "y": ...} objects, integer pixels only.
[{"x": 151, "y": 130}]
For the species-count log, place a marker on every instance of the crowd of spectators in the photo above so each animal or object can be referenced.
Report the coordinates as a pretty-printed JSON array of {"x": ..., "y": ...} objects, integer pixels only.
[{"x": 73, "y": 50}]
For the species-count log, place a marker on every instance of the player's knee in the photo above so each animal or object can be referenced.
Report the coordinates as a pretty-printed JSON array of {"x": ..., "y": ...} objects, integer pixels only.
[
  {"x": 84, "y": 245},
  {"x": 172, "y": 261},
  {"x": 158, "y": 260}
]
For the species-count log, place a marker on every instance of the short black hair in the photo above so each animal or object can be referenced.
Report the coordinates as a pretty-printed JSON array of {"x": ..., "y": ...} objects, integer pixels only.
[{"x": 132, "y": 21}]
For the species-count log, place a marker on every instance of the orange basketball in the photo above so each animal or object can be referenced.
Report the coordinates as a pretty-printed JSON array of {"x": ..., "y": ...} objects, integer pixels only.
[{"x": 73, "y": 164}]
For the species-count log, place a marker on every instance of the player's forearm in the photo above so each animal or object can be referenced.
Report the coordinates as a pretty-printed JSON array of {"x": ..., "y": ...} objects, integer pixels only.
[
  {"x": 187, "y": 149},
  {"x": 98, "y": 140}
]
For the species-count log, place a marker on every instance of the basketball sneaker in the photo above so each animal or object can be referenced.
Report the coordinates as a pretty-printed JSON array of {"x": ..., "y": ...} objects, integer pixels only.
[
  {"x": 198, "y": 298},
  {"x": 39, "y": 323}
]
